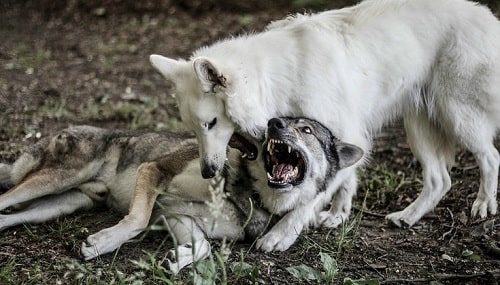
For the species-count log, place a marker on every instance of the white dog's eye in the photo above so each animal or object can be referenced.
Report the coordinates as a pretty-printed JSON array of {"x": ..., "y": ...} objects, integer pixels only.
[{"x": 211, "y": 124}]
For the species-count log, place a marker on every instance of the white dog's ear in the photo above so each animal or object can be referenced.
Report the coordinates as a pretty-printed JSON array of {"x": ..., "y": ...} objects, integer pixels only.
[
  {"x": 166, "y": 66},
  {"x": 208, "y": 74},
  {"x": 349, "y": 154}
]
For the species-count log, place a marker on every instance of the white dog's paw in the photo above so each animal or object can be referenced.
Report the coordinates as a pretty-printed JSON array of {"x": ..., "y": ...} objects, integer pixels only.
[
  {"x": 99, "y": 243},
  {"x": 328, "y": 219},
  {"x": 403, "y": 219},
  {"x": 273, "y": 241},
  {"x": 481, "y": 207},
  {"x": 186, "y": 254}
]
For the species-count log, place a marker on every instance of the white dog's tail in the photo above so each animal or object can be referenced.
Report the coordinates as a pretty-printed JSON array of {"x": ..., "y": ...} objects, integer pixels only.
[{"x": 5, "y": 170}]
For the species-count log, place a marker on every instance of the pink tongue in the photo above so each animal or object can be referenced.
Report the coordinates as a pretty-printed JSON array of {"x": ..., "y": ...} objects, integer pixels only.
[{"x": 281, "y": 170}]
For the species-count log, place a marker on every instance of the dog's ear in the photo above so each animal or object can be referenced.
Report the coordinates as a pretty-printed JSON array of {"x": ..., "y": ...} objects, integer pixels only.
[
  {"x": 349, "y": 154},
  {"x": 166, "y": 66},
  {"x": 208, "y": 74}
]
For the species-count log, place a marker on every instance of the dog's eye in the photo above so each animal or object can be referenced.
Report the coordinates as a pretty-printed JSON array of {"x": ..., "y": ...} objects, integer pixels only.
[
  {"x": 211, "y": 124},
  {"x": 306, "y": 130}
]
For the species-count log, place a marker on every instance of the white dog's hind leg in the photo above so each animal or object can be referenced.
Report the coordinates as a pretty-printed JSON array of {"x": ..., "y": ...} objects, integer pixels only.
[
  {"x": 477, "y": 136},
  {"x": 434, "y": 152},
  {"x": 487, "y": 196},
  {"x": 475, "y": 130},
  {"x": 189, "y": 240},
  {"x": 48, "y": 208},
  {"x": 341, "y": 204}
]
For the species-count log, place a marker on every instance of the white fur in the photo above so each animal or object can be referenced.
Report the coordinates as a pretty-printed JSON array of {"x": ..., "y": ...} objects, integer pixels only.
[{"x": 433, "y": 62}]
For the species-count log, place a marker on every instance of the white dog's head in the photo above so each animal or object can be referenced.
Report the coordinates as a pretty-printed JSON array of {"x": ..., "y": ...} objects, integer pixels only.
[{"x": 200, "y": 91}]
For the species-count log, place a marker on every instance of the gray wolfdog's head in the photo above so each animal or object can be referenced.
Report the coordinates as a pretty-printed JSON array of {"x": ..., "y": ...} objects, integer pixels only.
[
  {"x": 297, "y": 150},
  {"x": 200, "y": 90}
]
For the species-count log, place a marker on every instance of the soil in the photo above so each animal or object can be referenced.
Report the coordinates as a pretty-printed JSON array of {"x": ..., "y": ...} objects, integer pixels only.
[{"x": 56, "y": 60}]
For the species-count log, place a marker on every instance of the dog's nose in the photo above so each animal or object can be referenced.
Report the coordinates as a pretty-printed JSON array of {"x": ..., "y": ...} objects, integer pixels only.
[
  {"x": 276, "y": 123},
  {"x": 208, "y": 171}
]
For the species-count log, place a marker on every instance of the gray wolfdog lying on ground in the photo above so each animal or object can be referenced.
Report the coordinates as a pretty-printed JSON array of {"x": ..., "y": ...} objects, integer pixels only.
[{"x": 81, "y": 167}]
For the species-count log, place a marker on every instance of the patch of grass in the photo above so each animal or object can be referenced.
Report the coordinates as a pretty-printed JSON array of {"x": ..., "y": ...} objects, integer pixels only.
[
  {"x": 26, "y": 57},
  {"x": 314, "y": 4},
  {"x": 155, "y": 269},
  {"x": 331, "y": 254},
  {"x": 55, "y": 109},
  {"x": 380, "y": 183},
  {"x": 110, "y": 52},
  {"x": 7, "y": 271},
  {"x": 139, "y": 114},
  {"x": 244, "y": 273},
  {"x": 95, "y": 273}
]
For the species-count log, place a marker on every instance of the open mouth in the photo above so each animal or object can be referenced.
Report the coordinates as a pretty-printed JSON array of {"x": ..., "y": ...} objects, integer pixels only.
[
  {"x": 248, "y": 149},
  {"x": 284, "y": 165}
]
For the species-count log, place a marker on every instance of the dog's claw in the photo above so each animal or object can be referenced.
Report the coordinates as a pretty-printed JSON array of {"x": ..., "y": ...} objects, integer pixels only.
[
  {"x": 331, "y": 220},
  {"x": 88, "y": 251},
  {"x": 481, "y": 207},
  {"x": 400, "y": 219}
]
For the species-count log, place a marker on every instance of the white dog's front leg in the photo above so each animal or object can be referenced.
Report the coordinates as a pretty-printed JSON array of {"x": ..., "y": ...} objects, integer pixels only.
[{"x": 430, "y": 146}]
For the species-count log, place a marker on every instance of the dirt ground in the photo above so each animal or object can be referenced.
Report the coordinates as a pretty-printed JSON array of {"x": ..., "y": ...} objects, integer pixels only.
[{"x": 88, "y": 64}]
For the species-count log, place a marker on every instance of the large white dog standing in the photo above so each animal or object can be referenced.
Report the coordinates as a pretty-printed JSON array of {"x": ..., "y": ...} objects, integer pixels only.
[{"x": 436, "y": 63}]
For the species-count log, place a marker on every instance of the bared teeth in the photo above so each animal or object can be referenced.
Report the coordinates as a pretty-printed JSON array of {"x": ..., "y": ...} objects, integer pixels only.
[
  {"x": 271, "y": 145},
  {"x": 269, "y": 176}
]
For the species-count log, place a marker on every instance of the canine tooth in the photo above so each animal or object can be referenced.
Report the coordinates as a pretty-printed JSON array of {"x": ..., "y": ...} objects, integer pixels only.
[
  {"x": 289, "y": 149},
  {"x": 244, "y": 155},
  {"x": 269, "y": 176}
]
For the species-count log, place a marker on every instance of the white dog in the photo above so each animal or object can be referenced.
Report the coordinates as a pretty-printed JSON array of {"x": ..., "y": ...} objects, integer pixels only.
[{"x": 434, "y": 62}]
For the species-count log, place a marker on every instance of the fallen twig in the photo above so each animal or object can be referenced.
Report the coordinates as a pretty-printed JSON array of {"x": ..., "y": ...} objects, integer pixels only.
[{"x": 364, "y": 211}]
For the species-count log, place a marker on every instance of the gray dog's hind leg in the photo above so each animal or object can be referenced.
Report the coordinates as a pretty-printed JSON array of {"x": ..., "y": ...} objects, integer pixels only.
[{"x": 48, "y": 208}]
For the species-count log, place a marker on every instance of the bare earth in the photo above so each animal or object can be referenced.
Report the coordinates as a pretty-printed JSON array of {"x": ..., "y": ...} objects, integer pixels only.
[{"x": 89, "y": 65}]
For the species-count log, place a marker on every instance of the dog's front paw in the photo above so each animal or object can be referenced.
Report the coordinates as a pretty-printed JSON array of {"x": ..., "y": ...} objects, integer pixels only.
[
  {"x": 186, "y": 254},
  {"x": 332, "y": 220},
  {"x": 273, "y": 241},
  {"x": 99, "y": 243},
  {"x": 482, "y": 206},
  {"x": 402, "y": 219},
  {"x": 90, "y": 248}
]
